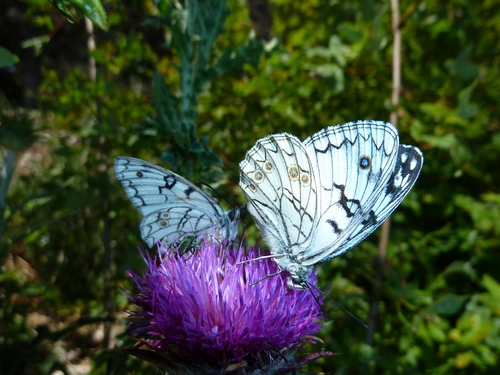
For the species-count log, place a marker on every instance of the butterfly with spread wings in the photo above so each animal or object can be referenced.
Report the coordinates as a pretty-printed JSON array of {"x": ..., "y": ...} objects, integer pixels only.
[
  {"x": 317, "y": 199},
  {"x": 173, "y": 207}
]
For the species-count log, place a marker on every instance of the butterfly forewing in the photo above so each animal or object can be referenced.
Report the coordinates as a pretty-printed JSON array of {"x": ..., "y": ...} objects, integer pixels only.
[
  {"x": 407, "y": 168},
  {"x": 399, "y": 184},
  {"x": 172, "y": 206},
  {"x": 362, "y": 156}
]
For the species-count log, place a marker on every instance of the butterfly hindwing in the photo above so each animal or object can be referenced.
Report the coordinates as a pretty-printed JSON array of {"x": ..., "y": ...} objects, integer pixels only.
[
  {"x": 278, "y": 180},
  {"x": 172, "y": 206},
  {"x": 174, "y": 223}
]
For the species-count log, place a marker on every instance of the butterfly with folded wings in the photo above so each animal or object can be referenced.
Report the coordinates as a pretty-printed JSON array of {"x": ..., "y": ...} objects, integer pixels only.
[
  {"x": 173, "y": 208},
  {"x": 317, "y": 199}
]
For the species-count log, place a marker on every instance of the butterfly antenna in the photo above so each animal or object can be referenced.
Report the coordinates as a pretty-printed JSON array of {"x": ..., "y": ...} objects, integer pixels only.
[
  {"x": 242, "y": 235},
  {"x": 306, "y": 284},
  {"x": 216, "y": 193},
  {"x": 309, "y": 286}
]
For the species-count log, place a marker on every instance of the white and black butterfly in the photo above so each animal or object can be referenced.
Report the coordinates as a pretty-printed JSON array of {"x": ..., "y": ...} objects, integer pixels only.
[
  {"x": 173, "y": 207},
  {"x": 315, "y": 200}
]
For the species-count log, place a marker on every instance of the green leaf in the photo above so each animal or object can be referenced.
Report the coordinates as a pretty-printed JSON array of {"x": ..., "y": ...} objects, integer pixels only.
[
  {"x": 350, "y": 32},
  {"x": 92, "y": 9},
  {"x": 467, "y": 109},
  {"x": 462, "y": 65},
  {"x": 448, "y": 305},
  {"x": 492, "y": 286},
  {"x": 59, "y": 4},
  {"x": 7, "y": 58}
]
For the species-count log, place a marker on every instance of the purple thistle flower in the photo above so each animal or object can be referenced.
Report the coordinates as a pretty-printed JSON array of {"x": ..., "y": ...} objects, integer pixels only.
[{"x": 201, "y": 313}]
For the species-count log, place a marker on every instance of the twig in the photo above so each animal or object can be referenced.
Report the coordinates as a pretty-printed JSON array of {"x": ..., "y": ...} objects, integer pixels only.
[
  {"x": 385, "y": 229},
  {"x": 7, "y": 171},
  {"x": 108, "y": 307}
]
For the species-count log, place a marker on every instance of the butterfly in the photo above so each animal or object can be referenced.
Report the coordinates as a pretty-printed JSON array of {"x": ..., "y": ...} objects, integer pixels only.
[
  {"x": 173, "y": 207},
  {"x": 317, "y": 199}
]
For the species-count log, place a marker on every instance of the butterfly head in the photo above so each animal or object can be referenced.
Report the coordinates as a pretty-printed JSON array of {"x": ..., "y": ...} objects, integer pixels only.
[
  {"x": 295, "y": 282},
  {"x": 298, "y": 272},
  {"x": 231, "y": 224},
  {"x": 234, "y": 215}
]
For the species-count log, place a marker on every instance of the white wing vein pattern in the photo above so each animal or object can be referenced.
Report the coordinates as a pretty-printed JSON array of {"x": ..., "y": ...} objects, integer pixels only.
[
  {"x": 315, "y": 200},
  {"x": 172, "y": 206},
  {"x": 283, "y": 207}
]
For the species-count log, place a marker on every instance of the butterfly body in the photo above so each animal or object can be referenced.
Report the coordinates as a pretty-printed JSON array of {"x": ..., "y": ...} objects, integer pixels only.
[
  {"x": 173, "y": 207},
  {"x": 315, "y": 200}
]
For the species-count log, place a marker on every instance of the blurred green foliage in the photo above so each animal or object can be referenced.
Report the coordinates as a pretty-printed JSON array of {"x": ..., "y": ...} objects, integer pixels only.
[
  {"x": 193, "y": 93},
  {"x": 92, "y": 9}
]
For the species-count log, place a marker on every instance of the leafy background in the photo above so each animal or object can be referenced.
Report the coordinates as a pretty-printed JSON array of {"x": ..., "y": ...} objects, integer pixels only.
[{"x": 69, "y": 233}]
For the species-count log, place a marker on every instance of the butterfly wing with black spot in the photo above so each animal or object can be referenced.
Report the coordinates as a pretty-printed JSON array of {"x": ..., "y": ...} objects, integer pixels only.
[
  {"x": 172, "y": 206},
  {"x": 364, "y": 174}
]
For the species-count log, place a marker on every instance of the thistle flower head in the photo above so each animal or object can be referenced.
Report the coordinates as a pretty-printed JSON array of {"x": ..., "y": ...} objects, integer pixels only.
[{"x": 205, "y": 308}]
